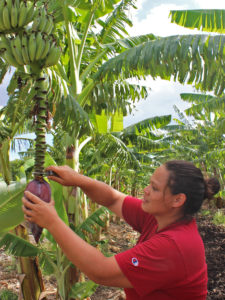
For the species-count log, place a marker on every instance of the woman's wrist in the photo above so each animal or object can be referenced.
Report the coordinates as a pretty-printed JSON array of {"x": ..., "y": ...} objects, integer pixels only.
[{"x": 55, "y": 222}]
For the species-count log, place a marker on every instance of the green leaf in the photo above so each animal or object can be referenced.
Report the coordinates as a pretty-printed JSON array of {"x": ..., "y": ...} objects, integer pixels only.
[
  {"x": 18, "y": 246},
  {"x": 83, "y": 290},
  {"x": 117, "y": 122},
  {"x": 211, "y": 20},
  {"x": 29, "y": 164},
  {"x": 102, "y": 123},
  {"x": 92, "y": 220},
  {"x": 150, "y": 58},
  {"x": 11, "y": 213}
]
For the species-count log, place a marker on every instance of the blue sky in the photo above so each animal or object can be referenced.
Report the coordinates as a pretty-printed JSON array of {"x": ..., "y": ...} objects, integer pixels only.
[{"x": 152, "y": 16}]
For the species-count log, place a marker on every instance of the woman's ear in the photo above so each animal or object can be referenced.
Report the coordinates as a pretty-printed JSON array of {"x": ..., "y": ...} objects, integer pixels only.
[{"x": 179, "y": 200}]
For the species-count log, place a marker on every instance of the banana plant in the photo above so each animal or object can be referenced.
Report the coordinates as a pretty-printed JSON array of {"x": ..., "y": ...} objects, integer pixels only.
[
  {"x": 81, "y": 63},
  {"x": 208, "y": 112},
  {"x": 210, "y": 21},
  {"x": 51, "y": 258},
  {"x": 129, "y": 149},
  {"x": 19, "y": 56},
  {"x": 30, "y": 49},
  {"x": 87, "y": 51}
]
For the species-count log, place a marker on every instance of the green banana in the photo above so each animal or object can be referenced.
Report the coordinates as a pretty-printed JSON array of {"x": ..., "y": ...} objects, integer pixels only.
[
  {"x": 24, "y": 51},
  {"x": 10, "y": 59},
  {"x": 16, "y": 53},
  {"x": 17, "y": 3},
  {"x": 40, "y": 46},
  {"x": 49, "y": 25},
  {"x": 46, "y": 49},
  {"x": 6, "y": 19},
  {"x": 43, "y": 20},
  {"x": 6, "y": 43},
  {"x": 24, "y": 40},
  {"x": 2, "y": 26},
  {"x": 53, "y": 56},
  {"x": 2, "y": 47},
  {"x": 30, "y": 14},
  {"x": 9, "y": 5},
  {"x": 14, "y": 16},
  {"x": 17, "y": 42},
  {"x": 22, "y": 14},
  {"x": 19, "y": 56},
  {"x": 38, "y": 37},
  {"x": 36, "y": 22},
  {"x": 25, "y": 55},
  {"x": 32, "y": 46}
]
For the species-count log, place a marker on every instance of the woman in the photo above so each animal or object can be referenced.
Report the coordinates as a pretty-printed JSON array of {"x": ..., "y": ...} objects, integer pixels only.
[{"x": 168, "y": 262}]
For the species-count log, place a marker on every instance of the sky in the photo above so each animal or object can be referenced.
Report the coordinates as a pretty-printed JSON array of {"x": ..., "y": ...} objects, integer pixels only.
[{"x": 152, "y": 16}]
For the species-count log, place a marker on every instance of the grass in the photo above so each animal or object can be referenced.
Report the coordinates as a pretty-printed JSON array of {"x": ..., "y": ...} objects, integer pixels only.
[
  {"x": 205, "y": 212},
  {"x": 219, "y": 218},
  {"x": 7, "y": 295}
]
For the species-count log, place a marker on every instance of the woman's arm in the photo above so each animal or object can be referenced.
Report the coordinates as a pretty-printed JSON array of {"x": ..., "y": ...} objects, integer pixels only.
[
  {"x": 101, "y": 269},
  {"x": 97, "y": 191}
]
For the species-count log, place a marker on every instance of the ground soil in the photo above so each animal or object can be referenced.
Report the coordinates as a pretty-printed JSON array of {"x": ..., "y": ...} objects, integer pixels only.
[{"x": 121, "y": 237}]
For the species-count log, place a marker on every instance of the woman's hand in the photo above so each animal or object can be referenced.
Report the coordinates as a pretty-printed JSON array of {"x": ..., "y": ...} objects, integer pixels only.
[
  {"x": 38, "y": 211},
  {"x": 64, "y": 175}
]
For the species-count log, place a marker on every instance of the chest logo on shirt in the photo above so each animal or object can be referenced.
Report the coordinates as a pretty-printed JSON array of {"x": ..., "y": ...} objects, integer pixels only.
[{"x": 135, "y": 262}]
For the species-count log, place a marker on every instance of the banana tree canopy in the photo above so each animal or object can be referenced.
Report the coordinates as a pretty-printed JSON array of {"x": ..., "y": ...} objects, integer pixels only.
[{"x": 197, "y": 59}]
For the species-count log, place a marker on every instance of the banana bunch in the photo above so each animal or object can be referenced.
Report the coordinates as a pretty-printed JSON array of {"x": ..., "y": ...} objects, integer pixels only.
[
  {"x": 15, "y": 14},
  {"x": 43, "y": 22},
  {"x": 25, "y": 49}
]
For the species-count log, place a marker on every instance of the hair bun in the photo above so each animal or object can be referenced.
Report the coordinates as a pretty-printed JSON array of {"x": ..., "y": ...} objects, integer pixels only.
[{"x": 212, "y": 187}]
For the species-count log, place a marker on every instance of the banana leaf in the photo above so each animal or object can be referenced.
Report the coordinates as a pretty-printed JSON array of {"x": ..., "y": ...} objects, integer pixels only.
[
  {"x": 211, "y": 20},
  {"x": 11, "y": 213},
  {"x": 82, "y": 290},
  {"x": 18, "y": 246},
  {"x": 90, "y": 222}
]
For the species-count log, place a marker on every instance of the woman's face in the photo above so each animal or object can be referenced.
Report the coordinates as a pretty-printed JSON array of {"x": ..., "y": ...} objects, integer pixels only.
[{"x": 158, "y": 199}]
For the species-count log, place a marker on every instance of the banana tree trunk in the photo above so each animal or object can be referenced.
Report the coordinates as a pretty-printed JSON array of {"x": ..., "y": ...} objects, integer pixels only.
[
  {"x": 31, "y": 281},
  {"x": 73, "y": 274},
  {"x": 218, "y": 200},
  {"x": 4, "y": 161},
  {"x": 74, "y": 205}
]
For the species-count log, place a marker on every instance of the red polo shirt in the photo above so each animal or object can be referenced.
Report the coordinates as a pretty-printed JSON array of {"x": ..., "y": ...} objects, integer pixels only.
[{"x": 164, "y": 265}]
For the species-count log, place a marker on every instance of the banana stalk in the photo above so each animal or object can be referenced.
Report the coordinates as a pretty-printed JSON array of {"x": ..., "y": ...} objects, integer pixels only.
[
  {"x": 41, "y": 87},
  {"x": 39, "y": 186}
]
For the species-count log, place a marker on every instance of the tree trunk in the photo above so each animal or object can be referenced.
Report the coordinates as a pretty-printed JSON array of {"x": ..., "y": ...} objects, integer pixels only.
[
  {"x": 73, "y": 274},
  {"x": 30, "y": 274}
]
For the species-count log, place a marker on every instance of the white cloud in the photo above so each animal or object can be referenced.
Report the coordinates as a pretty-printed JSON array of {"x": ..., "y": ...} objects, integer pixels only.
[
  {"x": 157, "y": 21},
  {"x": 209, "y": 4},
  {"x": 163, "y": 96}
]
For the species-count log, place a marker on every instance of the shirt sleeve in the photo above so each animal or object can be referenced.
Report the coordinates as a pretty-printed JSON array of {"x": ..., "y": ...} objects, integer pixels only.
[
  {"x": 133, "y": 213},
  {"x": 153, "y": 265}
]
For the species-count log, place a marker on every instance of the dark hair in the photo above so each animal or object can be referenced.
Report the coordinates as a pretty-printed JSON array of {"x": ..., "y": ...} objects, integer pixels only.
[{"x": 186, "y": 178}]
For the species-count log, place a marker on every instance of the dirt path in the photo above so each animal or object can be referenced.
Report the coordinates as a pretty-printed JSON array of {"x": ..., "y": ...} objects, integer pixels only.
[
  {"x": 214, "y": 240},
  {"x": 122, "y": 237}
]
